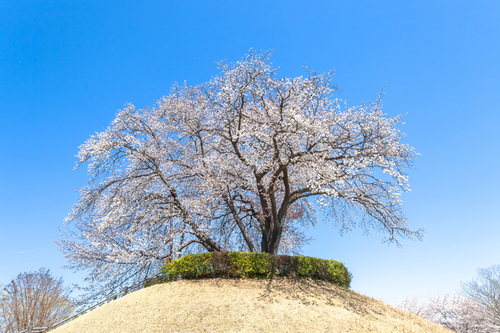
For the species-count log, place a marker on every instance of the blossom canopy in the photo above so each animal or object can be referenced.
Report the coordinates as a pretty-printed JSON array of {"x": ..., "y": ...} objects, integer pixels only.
[{"x": 232, "y": 165}]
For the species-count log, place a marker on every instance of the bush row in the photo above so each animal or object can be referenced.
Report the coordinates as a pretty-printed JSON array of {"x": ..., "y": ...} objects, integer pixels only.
[{"x": 255, "y": 265}]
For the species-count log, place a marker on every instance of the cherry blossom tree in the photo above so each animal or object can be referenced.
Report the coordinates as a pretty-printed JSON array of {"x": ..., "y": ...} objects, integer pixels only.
[
  {"x": 234, "y": 164},
  {"x": 456, "y": 312}
]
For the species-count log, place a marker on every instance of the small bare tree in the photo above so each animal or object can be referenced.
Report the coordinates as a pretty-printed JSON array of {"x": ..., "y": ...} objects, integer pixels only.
[
  {"x": 34, "y": 299},
  {"x": 3, "y": 323},
  {"x": 486, "y": 291}
]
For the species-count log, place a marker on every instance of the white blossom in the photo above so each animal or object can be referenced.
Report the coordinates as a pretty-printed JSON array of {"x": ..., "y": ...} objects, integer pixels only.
[
  {"x": 455, "y": 312},
  {"x": 232, "y": 165}
]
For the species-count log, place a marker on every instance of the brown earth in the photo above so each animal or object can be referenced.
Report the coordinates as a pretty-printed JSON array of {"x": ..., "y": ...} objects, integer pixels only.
[{"x": 243, "y": 305}]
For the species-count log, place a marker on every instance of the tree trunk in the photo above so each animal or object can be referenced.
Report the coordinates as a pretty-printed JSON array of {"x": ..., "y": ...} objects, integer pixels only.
[{"x": 270, "y": 244}]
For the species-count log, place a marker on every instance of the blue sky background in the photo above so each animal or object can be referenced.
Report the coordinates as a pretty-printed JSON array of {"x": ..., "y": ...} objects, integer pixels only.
[{"x": 66, "y": 67}]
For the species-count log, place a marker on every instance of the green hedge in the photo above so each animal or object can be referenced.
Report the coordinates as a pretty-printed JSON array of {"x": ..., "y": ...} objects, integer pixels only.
[{"x": 255, "y": 265}]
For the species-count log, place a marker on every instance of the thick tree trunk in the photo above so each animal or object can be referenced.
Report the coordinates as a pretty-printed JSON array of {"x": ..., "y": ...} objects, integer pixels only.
[
  {"x": 270, "y": 244},
  {"x": 263, "y": 245},
  {"x": 271, "y": 235}
]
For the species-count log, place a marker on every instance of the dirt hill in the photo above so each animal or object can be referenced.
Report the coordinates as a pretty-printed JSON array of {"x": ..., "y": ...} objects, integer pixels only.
[{"x": 223, "y": 305}]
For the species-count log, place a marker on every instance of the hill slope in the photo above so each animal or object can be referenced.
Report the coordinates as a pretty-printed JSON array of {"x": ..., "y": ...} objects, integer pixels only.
[{"x": 222, "y": 305}]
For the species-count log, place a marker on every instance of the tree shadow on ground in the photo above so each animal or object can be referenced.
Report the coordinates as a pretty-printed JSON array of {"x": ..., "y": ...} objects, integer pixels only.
[{"x": 314, "y": 292}]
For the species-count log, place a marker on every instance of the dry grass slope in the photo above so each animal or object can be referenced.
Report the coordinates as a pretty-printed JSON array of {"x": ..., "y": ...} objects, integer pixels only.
[{"x": 222, "y": 305}]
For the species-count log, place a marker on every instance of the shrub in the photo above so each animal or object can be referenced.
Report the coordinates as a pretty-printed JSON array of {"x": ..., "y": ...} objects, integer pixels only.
[{"x": 255, "y": 265}]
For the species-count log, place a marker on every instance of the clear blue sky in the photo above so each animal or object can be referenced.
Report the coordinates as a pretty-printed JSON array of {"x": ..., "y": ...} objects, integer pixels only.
[{"x": 66, "y": 67}]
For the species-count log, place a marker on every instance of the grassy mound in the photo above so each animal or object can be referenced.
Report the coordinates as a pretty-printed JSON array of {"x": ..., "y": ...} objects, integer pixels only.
[{"x": 248, "y": 305}]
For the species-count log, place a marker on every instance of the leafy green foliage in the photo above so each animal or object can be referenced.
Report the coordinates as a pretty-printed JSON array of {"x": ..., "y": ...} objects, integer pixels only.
[{"x": 255, "y": 265}]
